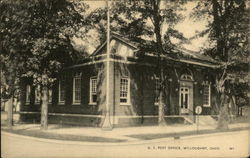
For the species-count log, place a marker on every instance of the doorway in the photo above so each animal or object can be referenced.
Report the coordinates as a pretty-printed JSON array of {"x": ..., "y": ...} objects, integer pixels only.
[{"x": 184, "y": 100}]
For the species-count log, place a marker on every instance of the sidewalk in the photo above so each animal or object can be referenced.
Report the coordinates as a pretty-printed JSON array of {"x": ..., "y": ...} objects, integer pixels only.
[
  {"x": 126, "y": 133},
  {"x": 129, "y": 134}
]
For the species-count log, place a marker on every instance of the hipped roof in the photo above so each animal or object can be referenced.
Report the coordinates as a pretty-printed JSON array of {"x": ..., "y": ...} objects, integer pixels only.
[{"x": 184, "y": 55}]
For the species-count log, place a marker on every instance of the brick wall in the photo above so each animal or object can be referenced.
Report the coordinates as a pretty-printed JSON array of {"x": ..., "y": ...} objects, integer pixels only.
[{"x": 142, "y": 86}]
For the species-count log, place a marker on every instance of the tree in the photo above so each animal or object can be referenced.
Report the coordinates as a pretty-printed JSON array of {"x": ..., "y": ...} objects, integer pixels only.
[
  {"x": 36, "y": 42},
  {"x": 143, "y": 22},
  {"x": 228, "y": 32},
  {"x": 161, "y": 15}
]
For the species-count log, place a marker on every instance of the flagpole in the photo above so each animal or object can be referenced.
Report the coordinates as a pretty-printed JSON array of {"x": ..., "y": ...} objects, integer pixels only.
[{"x": 106, "y": 124}]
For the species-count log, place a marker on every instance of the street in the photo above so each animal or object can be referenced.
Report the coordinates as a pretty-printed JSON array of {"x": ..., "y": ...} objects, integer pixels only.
[{"x": 230, "y": 144}]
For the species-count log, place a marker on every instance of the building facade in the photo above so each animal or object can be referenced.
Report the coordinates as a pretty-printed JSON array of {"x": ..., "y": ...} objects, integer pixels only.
[{"x": 78, "y": 96}]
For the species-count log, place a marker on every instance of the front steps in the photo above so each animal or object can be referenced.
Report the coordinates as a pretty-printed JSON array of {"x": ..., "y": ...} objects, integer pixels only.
[
  {"x": 206, "y": 120},
  {"x": 189, "y": 119},
  {"x": 203, "y": 119}
]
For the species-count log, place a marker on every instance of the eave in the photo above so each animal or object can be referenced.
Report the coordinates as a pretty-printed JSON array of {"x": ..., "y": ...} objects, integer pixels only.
[{"x": 134, "y": 60}]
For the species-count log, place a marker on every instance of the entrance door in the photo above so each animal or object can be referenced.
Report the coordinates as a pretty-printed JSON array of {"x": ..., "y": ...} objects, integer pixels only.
[{"x": 184, "y": 100}]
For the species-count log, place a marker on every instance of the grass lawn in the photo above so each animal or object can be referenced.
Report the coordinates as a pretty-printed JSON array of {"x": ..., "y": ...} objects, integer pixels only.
[
  {"x": 241, "y": 119},
  {"x": 181, "y": 134},
  {"x": 43, "y": 134}
]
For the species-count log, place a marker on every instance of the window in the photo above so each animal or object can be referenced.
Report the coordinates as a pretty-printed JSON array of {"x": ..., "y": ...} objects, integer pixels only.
[
  {"x": 37, "y": 94},
  {"x": 124, "y": 91},
  {"x": 77, "y": 89},
  {"x": 157, "y": 90},
  {"x": 206, "y": 95},
  {"x": 93, "y": 90},
  {"x": 27, "y": 93},
  {"x": 61, "y": 95}
]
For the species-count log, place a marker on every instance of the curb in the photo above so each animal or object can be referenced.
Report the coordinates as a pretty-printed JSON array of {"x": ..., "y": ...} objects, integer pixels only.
[
  {"x": 213, "y": 134},
  {"x": 66, "y": 142},
  {"x": 139, "y": 142}
]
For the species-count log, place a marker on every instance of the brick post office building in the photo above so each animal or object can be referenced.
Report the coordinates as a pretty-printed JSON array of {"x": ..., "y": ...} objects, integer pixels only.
[{"x": 78, "y": 96}]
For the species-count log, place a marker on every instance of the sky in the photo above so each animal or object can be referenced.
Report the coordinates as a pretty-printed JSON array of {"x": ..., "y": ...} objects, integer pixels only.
[{"x": 188, "y": 27}]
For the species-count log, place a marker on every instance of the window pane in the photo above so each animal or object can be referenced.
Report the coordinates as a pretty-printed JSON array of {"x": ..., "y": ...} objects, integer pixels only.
[
  {"x": 181, "y": 100},
  {"x": 38, "y": 94},
  {"x": 77, "y": 90},
  {"x": 94, "y": 98},
  {"x": 93, "y": 86},
  {"x": 62, "y": 91},
  {"x": 123, "y": 100},
  {"x": 28, "y": 93},
  {"x": 157, "y": 87},
  {"x": 93, "y": 90},
  {"x": 124, "y": 90},
  {"x": 186, "y": 101},
  {"x": 206, "y": 95}
]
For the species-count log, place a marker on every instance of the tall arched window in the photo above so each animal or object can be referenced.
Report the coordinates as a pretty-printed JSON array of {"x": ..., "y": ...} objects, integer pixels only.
[
  {"x": 28, "y": 91},
  {"x": 206, "y": 91},
  {"x": 77, "y": 88}
]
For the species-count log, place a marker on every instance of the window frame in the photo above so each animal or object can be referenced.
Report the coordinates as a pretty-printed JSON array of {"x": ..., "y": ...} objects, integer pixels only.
[
  {"x": 37, "y": 89},
  {"x": 128, "y": 92},
  {"x": 209, "y": 95},
  {"x": 27, "y": 94},
  {"x": 91, "y": 88},
  {"x": 187, "y": 77},
  {"x": 75, "y": 102},
  {"x": 157, "y": 84},
  {"x": 60, "y": 88}
]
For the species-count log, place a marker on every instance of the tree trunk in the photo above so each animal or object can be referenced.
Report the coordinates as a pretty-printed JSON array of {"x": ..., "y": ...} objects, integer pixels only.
[
  {"x": 161, "y": 120},
  {"x": 44, "y": 108},
  {"x": 10, "y": 113},
  {"x": 10, "y": 106},
  {"x": 238, "y": 111},
  {"x": 168, "y": 98},
  {"x": 223, "y": 114},
  {"x": 157, "y": 30},
  {"x": 142, "y": 95},
  {"x": 1, "y": 86},
  {"x": 161, "y": 112}
]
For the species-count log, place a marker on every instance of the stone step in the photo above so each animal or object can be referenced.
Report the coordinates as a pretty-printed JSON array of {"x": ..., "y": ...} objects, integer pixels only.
[
  {"x": 189, "y": 119},
  {"x": 206, "y": 120},
  {"x": 203, "y": 120}
]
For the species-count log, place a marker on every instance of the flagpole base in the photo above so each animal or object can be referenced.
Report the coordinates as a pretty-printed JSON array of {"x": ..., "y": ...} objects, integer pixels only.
[{"x": 106, "y": 124}]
